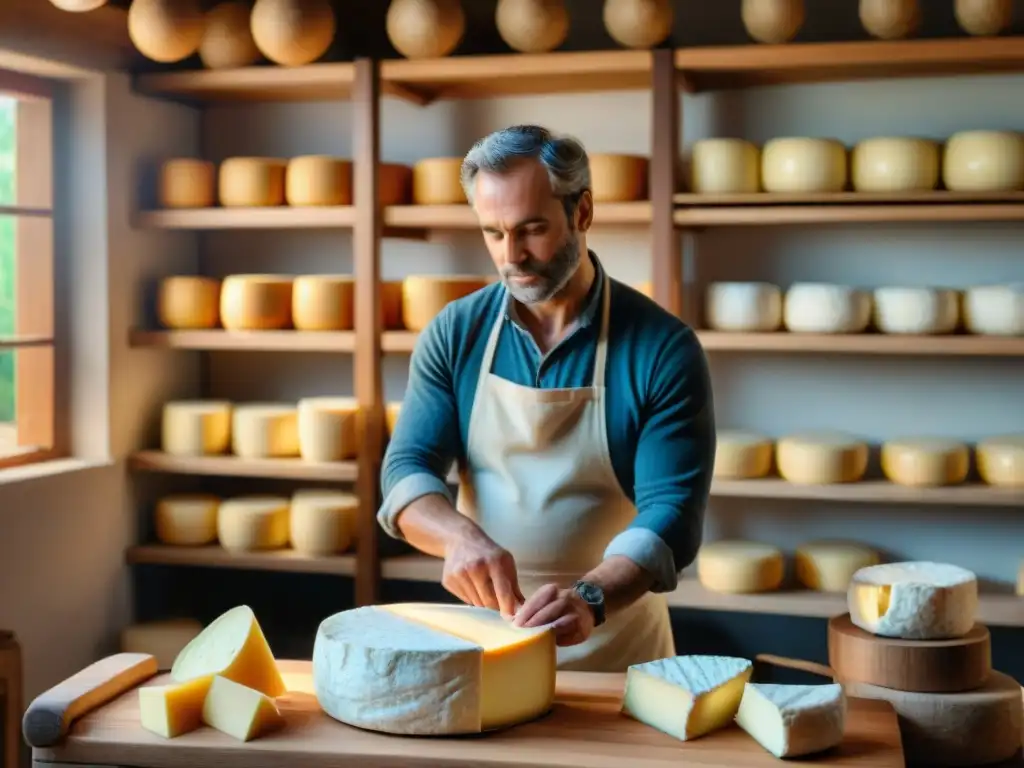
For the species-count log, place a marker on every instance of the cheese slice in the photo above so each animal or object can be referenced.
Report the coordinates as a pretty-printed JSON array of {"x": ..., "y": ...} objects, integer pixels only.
[
  {"x": 239, "y": 711},
  {"x": 828, "y": 566},
  {"x": 914, "y": 600},
  {"x": 171, "y": 710},
  {"x": 423, "y": 669},
  {"x": 793, "y": 720},
  {"x": 686, "y": 696}
]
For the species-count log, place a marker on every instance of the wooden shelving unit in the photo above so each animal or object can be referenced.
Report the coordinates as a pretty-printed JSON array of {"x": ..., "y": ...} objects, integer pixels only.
[
  {"x": 232, "y": 466},
  {"x": 255, "y": 341}
]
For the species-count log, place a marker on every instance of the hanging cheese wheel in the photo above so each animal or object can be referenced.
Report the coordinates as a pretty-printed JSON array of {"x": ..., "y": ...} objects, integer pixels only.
[
  {"x": 618, "y": 178},
  {"x": 323, "y": 302},
  {"x": 394, "y": 184},
  {"x": 773, "y": 21},
  {"x": 391, "y": 304},
  {"x": 424, "y": 296},
  {"x": 186, "y": 183},
  {"x": 425, "y": 29},
  {"x": 318, "y": 180},
  {"x": 532, "y": 26},
  {"x": 890, "y": 19},
  {"x": 79, "y": 6},
  {"x": 983, "y": 17},
  {"x": 250, "y": 182},
  {"x": 293, "y": 32},
  {"x": 189, "y": 301},
  {"x": 227, "y": 40},
  {"x": 638, "y": 23},
  {"x": 166, "y": 30},
  {"x": 436, "y": 181}
]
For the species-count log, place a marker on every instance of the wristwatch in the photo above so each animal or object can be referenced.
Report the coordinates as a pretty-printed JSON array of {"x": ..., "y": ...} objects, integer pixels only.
[{"x": 593, "y": 596}]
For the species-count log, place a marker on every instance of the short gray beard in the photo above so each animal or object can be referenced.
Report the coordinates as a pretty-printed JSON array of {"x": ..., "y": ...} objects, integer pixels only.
[{"x": 554, "y": 275}]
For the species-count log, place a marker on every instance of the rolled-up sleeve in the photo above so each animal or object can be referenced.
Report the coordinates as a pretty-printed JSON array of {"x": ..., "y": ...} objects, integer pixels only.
[{"x": 674, "y": 462}]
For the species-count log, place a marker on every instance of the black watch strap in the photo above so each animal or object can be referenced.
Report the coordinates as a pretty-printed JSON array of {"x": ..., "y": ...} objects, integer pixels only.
[{"x": 593, "y": 596}]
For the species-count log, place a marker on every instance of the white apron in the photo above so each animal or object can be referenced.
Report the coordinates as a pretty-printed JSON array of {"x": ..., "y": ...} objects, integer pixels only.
[{"x": 540, "y": 482}]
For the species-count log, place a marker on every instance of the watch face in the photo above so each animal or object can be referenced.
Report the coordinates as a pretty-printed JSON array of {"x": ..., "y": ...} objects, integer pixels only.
[{"x": 590, "y": 593}]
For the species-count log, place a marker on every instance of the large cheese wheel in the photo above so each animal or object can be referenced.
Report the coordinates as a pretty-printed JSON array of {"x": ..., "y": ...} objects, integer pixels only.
[
  {"x": 323, "y": 302},
  {"x": 163, "y": 639},
  {"x": 251, "y": 182},
  {"x": 256, "y": 302},
  {"x": 436, "y": 181},
  {"x": 983, "y": 17},
  {"x": 318, "y": 180},
  {"x": 251, "y": 523},
  {"x": 1001, "y": 460},
  {"x": 187, "y": 519},
  {"x": 740, "y": 566},
  {"x": 293, "y": 32},
  {"x": 772, "y": 21},
  {"x": 166, "y": 30},
  {"x": 186, "y": 183},
  {"x": 532, "y": 26},
  {"x": 322, "y": 522},
  {"x": 742, "y": 455},
  {"x": 925, "y": 462},
  {"x": 828, "y": 566},
  {"x": 227, "y": 40},
  {"x": 424, "y": 296},
  {"x": 890, "y": 19},
  {"x": 328, "y": 428},
  {"x": 900, "y": 164},
  {"x": 744, "y": 307},
  {"x": 821, "y": 457},
  {"x": 806, "y": 165},
  {"x": 394, "y": 182},
  {"x": 918, "y": 311},
  {"x": 995, "y": 310},
  {"x": 196, "y": 427},
  {"x": 638, "y": 23},
  {"x": 265, "y": 430},
  {"x": 425, "y": 29},
  {"x": 984, "y": 161},
  {"x": 826, "y": 308},
  {"x": 391, "y": 412},
  {"x": 618, "y": 178},
  {"x": 188, "y": 301},
  {"x": 725, "y": 166},
  {"x": 391, "y": 304}
]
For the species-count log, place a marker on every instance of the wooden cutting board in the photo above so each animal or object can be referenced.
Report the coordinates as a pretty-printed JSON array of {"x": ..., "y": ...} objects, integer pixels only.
[{"x": 584, "y": 730}]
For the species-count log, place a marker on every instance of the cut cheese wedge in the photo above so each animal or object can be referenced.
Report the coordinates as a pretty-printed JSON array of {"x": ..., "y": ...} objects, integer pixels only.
[
  {"x": 239, "y": 711},
  {"x": 793, "y": 720},
  {"x": 171, "y": 710},
  {"x": 686, "y": 696},
  {"x": 432, "y": 670}
]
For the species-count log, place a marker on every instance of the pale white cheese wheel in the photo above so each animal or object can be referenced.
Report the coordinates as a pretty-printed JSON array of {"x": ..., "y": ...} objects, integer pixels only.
[
  {"x": 195, "y": 427},
  {"x": 318, "y": 180},
  {"x": 826, "y": 308},
  {"x": 328, "y": 428},
  {"x": 186, "y": 182},
  {"x": 162, "y": 639},
  {"x": 725, "y": 166},
  {"x": 741, "y": 455},
  {"x": 807, "y": 165},
  {"x": 424, "y": 296},
  {"x": 984, "y": 161},
  {"x": 323, "y": 522},
  {"x": 188, "y": 301},
  {"x": 828, "y": 566},
  {"x": 186, "y": 519},
  {"x": 821, "y": 457},
  {"x": 323, "y": 302},
  {"x": 618, "y": 178},
  {"x": 895, "y": 164},
  {"x": 925, "y": 461},
  {"x": 918, "y": 311},
  {"x": 1001, "y": 460},
  {"x": 250, "y": 523},
  {"x": 251, "y": 182},
  {"x": 391, "y": 412},
  {"x": 256, "y": 302},
  {"x": 740, "y": 566},
  {"x": 995, "y": 310},
  {"x": 436, "y": 181},
  {"x": 750, "y": 307},
  {"x": 265, "y": 431}
]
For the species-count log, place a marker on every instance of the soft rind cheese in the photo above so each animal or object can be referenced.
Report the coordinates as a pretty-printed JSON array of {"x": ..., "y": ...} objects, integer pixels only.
[
  {"x": 251, "y": 523},
  {"x": 828, "y": 566},
  {"x": 725, "y": 166},
  {"x": 895, "y": 164},
  {"x": 821, "y": 457},
  {"x": 995, "y": 310},
  {"x": 686, "y": 696},
  {"x": 186, "y": 519},
  {"x": 188, "y": 301},
  {"x": 322, "y": 522},
  {"x": 318, "y": 180},
  {"x": 914, "y": 600},
  {"x": 196, "y": 427},
  {"x": 256, "y": 302},
  {"x": 793, "y": 720},
  {"x": 742, "y": 455},
  {"x": 328, "y": 428},
  {"x": 323, "y": 303},
  {"x": 925, "y": 462},
  {"x": 251, "y": 182},
  {"x": 171, "y": 710},
  {"x": 917, "y": 311},
  {"x": 1001, "y": 460},
  {"x": 265, "y": 430},
  {"x": 750, "y": 307},
  {"x": 984, "y": 161},
  {"x": 826, "y": 308},
  {"x": 161, "y": 639},
  {"x": 186, "y": 182},
  {"x": 803, "y": 165},
  {"x": 433, "y": 670},
  {"x": 238, "y": 711},
  {"x": 740, "y": 567}
]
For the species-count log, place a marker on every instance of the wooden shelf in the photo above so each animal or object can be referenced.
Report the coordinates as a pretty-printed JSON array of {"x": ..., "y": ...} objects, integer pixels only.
[
  {"x": 269, "y": 217},
  {"x": 935, "y": 197},
  {"x": 232, "y": 466},
  {"x": 214, "y": 556},
  {"x": 960, "y": 345},
  {"x": 748, "y": 213},
  {"x": 439, "y": 217},
  {"x": 240, "y": 341},
  {"x": 872, "y": 492}
]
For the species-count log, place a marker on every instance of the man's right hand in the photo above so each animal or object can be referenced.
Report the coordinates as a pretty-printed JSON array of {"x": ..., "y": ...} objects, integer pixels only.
[{"x": 479, "y": 572}]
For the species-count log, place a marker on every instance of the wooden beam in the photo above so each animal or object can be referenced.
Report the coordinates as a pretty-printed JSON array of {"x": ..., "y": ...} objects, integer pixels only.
[{"x": 666, "y": 259}]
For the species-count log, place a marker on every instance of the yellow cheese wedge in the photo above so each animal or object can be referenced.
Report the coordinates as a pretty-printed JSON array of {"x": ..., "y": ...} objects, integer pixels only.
[
  {"x": 828, "y": 566},
  {"x": 187, "y": 519},
  {"x": 171, "y": 710},
  {"x": 189, "y": 301},
  {"x": 925, "y": 462},
  {"x": 740, "y": 566},
  {"x": 239, "y": 711}
]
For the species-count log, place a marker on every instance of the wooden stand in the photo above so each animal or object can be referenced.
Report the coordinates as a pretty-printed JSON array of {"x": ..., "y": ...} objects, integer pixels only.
[{"x": 10, "y": 700}]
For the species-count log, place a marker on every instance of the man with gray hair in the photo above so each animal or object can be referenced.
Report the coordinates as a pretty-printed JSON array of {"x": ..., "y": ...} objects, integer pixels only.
[{"x": 579, "y": 412}]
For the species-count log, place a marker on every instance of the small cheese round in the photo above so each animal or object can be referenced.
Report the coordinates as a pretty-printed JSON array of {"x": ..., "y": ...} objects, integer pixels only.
[
  {"x": 772, "y": 21},
  {"x": 725, "y": 166},
  {"x": 318, "y": 180},
  {"x": 740, "y": 566},
  {"x": 925, "y": 462},
  {"x": 984, "y": 161},
  {"x": 917, "y": 311},
  {"x": 293, "y": 32},
  {"x": 188, "y": 301},
  {"x": 739, "y": 307},
  {"x": 251, "y": 182},
  {"x": 265, "y": 430},
  {"x": 618, "y": 178},
  {"x": 323, "y": 302},
  {"x": 1001, "y": 460},
  {"x": 196, "y": 427},
  {"x": 391, "y": 304},
  {"x": 828, "y": 566},
  {"x": 186, "y": 183},
  {"x": 821, "y": 458},
  {"x": 161, "y": 639},
  {"x": 638, "y": 23},
  {"x": 436, "y": 181},
  {"x": 187, "y": 519},
  {"x": 227, "y": 39},
  {"x": 890, "y": 19},
  {"x": 742, "y": 455},
  {"x": 532, "y": 26},
  {"x": 249, "y": 523},
  {"x": 425, "y": 29},
  {"x": 895, "y": 164},
  {"x": 328, "y": 429},
  {"x": 166, "y": 30},
  {"x": 323, "y": 522},
  {"x": 424, "y": 296},
  {"x": 825, "y": 308},
  {"x": 803, "y": 165},
  {"x": 995, "y": 310},
  {"x": 983, "y": 17},
  {"x": 391, "y": 412},
  {"x": 256, "y": 302}
]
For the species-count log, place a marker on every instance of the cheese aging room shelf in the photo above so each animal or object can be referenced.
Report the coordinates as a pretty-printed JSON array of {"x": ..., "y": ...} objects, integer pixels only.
[{"x": 233, "y": 466}]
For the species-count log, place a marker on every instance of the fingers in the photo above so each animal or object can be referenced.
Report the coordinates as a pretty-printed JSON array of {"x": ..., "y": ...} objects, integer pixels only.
[
  {"x": 486, "y": 579},
  {"x": 506, "y": 585},
  {"x": 538, "y": 601}
]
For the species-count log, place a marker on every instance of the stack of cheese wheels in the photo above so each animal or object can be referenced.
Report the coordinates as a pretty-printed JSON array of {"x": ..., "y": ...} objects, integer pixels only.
[
  {"x": 391, "y": 304},
  {"x": 188, "y": 302},
  {"x": 328, "y": 428},
  {"x": 323, "y": 303},
  {"x": 894, "y": 164},
  {"x": 725, "y": 166},
  {"x": 995, "y": 310},
  {"x": 196, "y": 427},
  {"x": 424, "y": 296},
  {"x": 391, "y": 412},
  {"x": 828, "y": 566},
  {"x": 256, "y": 302},
  {"x": 436, "y": 181},
  {"x": 322, "y": 522},
  {"x": 162, "y": 639},
  {"x": 925, "y": 462},
  {"x": 738, "y": 567},
  {"x": 265, "y": 430},
  {"x": 186, "y": 182},
  {"x": 917, "y": 311},
  {"x": 1001, "y": 460},
  {"x": 984, "y": 161},
  {"x": 251, "y": 182},
  {"x": 826, "y": 308},
  {"x": 618, "y": 178},
  {"x": 912, "y": 638},
  {"x": 743, "y": 307},
  {"x": 253, "y": 523},
  {"x": 799, "y": 165},
  {"x": 821, "y": 457},
  {"x": 187, "y": 519},
  {"x": 742, "y": 455},
  {"x": 318, "y": 180}
]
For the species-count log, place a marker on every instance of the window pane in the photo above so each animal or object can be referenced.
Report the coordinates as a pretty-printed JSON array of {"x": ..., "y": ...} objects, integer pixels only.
[
  {"x": 8, "y": 276},
  {"x": 26, "y": 400},
  {"x": 8, "y": 149}
]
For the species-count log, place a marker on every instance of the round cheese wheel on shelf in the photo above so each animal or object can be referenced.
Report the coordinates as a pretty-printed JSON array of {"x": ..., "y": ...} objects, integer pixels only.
[
  {"x": 725, "y": 166},
  {"x": 917, "y": 311},
  {"x": 532, "y": 26},
  {"x": 436, "y": 181},
  {"x": 618, "y": 178},
  {"x": 983, "y": 17},
  {"x": 995, "y": 310},
  {"x": 424, "y": 296},
  {"x": 293, "y": 32},
  {"x": 323, "y": 522},
  {"x": 744, "y": 307},
  {"x": 1001, "y": 460},
  {"x": 394, "y": 184},
  {"x": 187, "y": 519},
  {"x": 984, "y": 161},
  {"x": 166, "y": 30},
  {"x": 328, "y": 428},
  {"x": 250, "y": 523},
  {"x": 265, "y": 430},
  {"x": 391, "y": 412},
  {"x": 739, "y": 567},
  {"x": 256, "y": 302},
  {"x": 638, "y": 23},
  {"x": 162, "y": 639},
  {"x": 196, "y": 427},
  {"x": 925, "y": 462},
  {"x": 425, "y": 29},
  {"x": 826, "y": 308},
  {"x": 772, "y": 21},
  {"x": 821, "y": 457},
  {"x": 895, "y": 164},
  {"x": 318, "y": 180},
  {"x": 323, "y": 302},
  {"x": 742, "y": 455},
  {"x": 890, "y": 19},
  {"x": 828, "y": 566},
  {"x": 227, "y": 40},
  {"x": 188, "y": 301},
  {"x": 251, "y": 182},
  {"x": 803, "y": 165},
  {"x": 186, "y": 183},
  {"x": 391, "y": 304}
]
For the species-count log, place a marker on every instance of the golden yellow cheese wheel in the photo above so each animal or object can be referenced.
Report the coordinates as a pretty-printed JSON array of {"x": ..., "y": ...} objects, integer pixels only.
[
  {"x": 821, "y": 457},
  {"x": 265, "y": 430},
  {"x": 323, "y": 522},
  {"x": 252, "y": 523},
  {"x": 983, "y": 17},
  {"x": 925, "y": 462},
  {"x": 895, "y": 164},
  {"x": 391, "y": 412},
  {"x": 293, "y": 32},
  {"x": 256, "y": 302},
  {"x": 425, "y": 29},
  {"x": 78, "y": 6},
  {"x": 329, "y": 428},
  {"x": 436, "y": 181},
  {"x": 245, "y": 182},
  {"x": 773, "y": 21},
  {"x": 984, "y": 161},
  {"x": 828, "y": 566},
  {"x": 618, "y": 178},
  {"x": 166, "y": 30},
  {"x": 186, "y": 182},
  {"x": 227, "y": 40},
  {"x": 740, "y": 567},
  {"x": 391, "y": 304},
  {"x": 532, "y": 26},
  {"x": 323, "y": 302},
  {"x": 195, "y": 427},
  {"x": 394, "y": 182},
  {"x": 800, "y": 164},
  {"x": 742, "y": 455},
  {"x": 1001, "y": 460},
  {"x": 189, "y": 301},
  {"x": 890, "y": 19},
  {"x": 725, "y": 166},
  {"x": 638, "y": 23},
  {"x": 318, "y": 180},
  {"x": 186, "y": 519},
  {"x": 424, "y": 296}
]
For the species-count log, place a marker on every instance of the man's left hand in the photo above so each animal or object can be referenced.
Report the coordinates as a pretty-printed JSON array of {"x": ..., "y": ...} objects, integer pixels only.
[{"x": 571, "y": 617}]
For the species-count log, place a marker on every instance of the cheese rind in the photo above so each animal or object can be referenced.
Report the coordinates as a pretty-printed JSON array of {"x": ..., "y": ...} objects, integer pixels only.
[
  {"x": 744, "y": 307},
  {"x": 821, "y": 457},
  {"x": 251, "y": 523},
  {"x": 826, "y": 308},
  {"x": 740, "y": 567},
  {"x": 265, "y": 430},
  {"x": 1001, "y": 460},
  {"x": 793, "y": 720},
  {"x": 171, "y": 710},
  {"x": 686, "y": 696},
  {"x": 187, "y": 519},
  {"x": 828, "y": 566},
  {"x": 925, "y": 462},
  {"x": 322, "y": 522},
  {"x": 328, "y": 428},
  {"x": 742, "y": 455},
  {"x": 239, "y": 711},
  {"x": 196, "y": 427}
]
